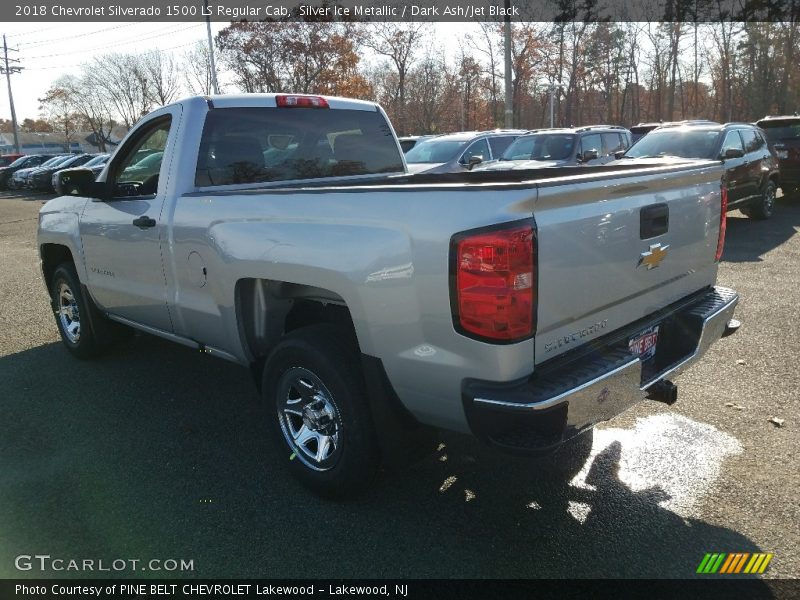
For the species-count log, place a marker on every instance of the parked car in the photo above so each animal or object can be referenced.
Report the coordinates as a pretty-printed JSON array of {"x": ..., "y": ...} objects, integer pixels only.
[
  {"x": 19, "y": 180},
  {"x": 752, "y": 168},
  {"x": 594, "y": 144},
  {"x": 41, "y": 178},
  {"x": 642, "y": 129},
  {"x": 373, "y": 306},
  {"x": 409, "y": 141},
  {"x": 144, "y": 168},
  {"x": 24, "y": 162},
  {"x": 457, "y": 152},
  {"x": 783, "y": 134},
  {"x": 95, "y": 165},
  {"x": 7, "y": 159}
]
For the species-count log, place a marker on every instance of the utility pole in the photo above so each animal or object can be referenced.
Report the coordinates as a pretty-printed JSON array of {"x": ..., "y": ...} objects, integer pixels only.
[
  {"x": 8, "y": 70},
  {"x": 211, "y": 49},
  {"x": 551, "y": 89},
  {"x": 507, "y": 39}
]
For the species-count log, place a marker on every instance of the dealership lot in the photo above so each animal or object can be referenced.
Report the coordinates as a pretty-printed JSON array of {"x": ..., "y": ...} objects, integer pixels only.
[{"x": 158, "y": 452}]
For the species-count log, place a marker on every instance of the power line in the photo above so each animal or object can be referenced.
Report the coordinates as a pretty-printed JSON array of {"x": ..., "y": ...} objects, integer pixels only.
[
  {"x": 27, "y": 33},
  {"x": 117, "y": 44},
  {"x": 28, "y": 45},
  {"x": 77, "y": 65}
]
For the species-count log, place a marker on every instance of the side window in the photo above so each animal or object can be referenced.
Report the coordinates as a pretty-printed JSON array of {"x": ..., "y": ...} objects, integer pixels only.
[
  {"x": 592, "y": 142},
  {"x": 479, "y": 148},
  {"x": 612, "y": 142},
  {"x": 752, "y": 140},
  {"x": 499, "y": 145},
  {"x": 732, "y": 140},
  {"x": 136, "y": 173}
]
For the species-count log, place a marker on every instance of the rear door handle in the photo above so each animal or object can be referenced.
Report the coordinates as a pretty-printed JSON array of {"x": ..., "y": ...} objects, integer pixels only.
[
  {"x": 653, "y": 221},
  {"x": 144, "y": 222}
]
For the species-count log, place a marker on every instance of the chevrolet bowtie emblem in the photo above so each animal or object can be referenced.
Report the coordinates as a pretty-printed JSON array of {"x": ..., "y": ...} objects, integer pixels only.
[{"x": 653, "y": 257}]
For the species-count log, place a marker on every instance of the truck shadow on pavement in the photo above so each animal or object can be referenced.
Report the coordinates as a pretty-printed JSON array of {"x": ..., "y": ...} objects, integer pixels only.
[
  {"x": 156, "y": 451},
  {"x": 747, "y": 240}
]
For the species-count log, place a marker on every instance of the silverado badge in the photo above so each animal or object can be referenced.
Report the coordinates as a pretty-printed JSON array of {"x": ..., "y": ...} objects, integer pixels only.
[{"x": 653, "y": 257}]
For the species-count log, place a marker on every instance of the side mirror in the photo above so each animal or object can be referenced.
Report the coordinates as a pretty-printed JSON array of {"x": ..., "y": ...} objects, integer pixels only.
[
  {"x": 474, "y": 160},
  {"x": 589, "y": 155},
  {"x": 619, "y": 154},
  {"x": 77, "y": 182},
  {"x": 732, "y": 153}
]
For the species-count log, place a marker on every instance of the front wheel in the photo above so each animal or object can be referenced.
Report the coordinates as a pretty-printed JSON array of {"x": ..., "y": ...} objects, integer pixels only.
[
  {"x": 71, "y": 311},
  {"x": 315, "y": 398},
  {"x": 764, "y": 206}
]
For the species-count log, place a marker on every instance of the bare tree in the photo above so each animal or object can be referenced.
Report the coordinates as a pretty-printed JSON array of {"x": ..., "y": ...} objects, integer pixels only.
[
  {"x": 58, "y": 107},
  {"x": 399, "y": 43},
  {"x": 161, "y": 77},
  {"x": 197, "y": 70},
  {"x": 123, "y": 80}
]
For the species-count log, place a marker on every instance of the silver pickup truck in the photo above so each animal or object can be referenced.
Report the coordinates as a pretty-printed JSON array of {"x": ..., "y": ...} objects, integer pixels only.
[{"x": 282, "y": 232}]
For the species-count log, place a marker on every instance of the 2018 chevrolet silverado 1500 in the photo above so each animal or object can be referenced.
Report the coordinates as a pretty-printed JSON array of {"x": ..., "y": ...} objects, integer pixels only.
[{"x": 283, "y": 232}]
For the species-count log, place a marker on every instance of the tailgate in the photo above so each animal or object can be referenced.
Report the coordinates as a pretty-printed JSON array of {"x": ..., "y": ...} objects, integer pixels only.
[{"x": 614, "y": 250}]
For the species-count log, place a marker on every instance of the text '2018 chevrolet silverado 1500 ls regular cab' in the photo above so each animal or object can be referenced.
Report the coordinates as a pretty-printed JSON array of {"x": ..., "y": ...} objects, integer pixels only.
[{"x": 283, "y": 232}]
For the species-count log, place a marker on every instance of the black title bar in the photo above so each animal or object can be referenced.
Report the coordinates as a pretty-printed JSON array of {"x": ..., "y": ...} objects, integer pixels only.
[{"x": 400, "y": 11}]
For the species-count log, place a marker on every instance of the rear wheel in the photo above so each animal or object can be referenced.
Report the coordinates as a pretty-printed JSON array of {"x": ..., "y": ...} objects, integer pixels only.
[
  {"x": 316, "y": 401},
  {"x": 764, "y": 207}
]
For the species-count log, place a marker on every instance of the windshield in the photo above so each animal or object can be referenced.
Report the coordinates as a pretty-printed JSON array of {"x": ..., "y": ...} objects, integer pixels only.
[
  {"x": 779, "y": 132},
  {"x": 546, "y": 146},
  {"x": 74, "y": 161},
  {"x": 97, "y": 160},
  {"x": 435, "y": 151},
  {"x": 20, "y": 161},
  {"x": 685, "y": 143},
  {"x": 56, "y": 160}
]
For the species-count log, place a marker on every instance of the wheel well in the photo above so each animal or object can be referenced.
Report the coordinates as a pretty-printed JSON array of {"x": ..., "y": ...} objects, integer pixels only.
[
  {"x": 267, "y": 310},
  {"x": 52, "y": 256}
]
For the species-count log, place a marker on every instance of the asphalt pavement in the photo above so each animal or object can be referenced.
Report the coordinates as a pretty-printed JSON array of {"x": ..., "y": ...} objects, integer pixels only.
[{"x": 158, "y": 452}]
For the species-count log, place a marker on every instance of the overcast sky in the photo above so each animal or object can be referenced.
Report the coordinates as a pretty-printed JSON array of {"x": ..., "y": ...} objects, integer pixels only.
[{"x": 49, "y": 50}]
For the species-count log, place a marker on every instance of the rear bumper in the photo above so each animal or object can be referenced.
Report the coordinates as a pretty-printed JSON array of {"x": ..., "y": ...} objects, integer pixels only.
[{"x": 597, "y": 381}]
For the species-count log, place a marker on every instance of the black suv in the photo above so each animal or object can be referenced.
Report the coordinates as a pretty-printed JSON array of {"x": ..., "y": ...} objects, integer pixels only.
[
  {"x": 783, "y": 134},
  {"x": 750, "y": 164}
]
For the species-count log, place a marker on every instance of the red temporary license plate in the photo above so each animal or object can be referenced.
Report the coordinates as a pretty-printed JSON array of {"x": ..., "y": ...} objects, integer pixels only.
[{"x": 644, "y": 344}]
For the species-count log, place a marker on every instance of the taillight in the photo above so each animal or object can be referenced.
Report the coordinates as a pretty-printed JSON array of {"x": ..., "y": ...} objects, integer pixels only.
[
  {"x": 723, "y": 220},
  {"x": 295, "y": 101},
  {"x": 493, "y": 282}
]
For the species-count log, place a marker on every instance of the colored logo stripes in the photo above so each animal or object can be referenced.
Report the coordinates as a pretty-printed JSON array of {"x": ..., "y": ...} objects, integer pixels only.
[{"x": 735, "y": 562}]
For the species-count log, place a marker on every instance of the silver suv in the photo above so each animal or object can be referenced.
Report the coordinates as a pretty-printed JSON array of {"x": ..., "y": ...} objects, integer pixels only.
[
  {"x": 457, "y": 152},
  {"x": 594, "y": 144}
]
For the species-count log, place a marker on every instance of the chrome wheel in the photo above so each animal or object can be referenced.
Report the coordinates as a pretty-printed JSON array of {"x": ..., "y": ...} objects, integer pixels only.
[
  {"x": 68, "y": 313},
  {"x": 309, "y": 419}
]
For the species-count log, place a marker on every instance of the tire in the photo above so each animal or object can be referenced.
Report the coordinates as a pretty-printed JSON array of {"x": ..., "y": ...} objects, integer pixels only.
[
  {"x": 74, "y": 314},
  {"x": 316, "y": 402},
  {"x": 765, "y": 206}
]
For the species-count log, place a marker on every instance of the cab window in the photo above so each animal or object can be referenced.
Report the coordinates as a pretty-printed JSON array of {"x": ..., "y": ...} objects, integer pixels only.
[
  {"x": 137, "y": 173},
  {"x": 732, "y": 141}
]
